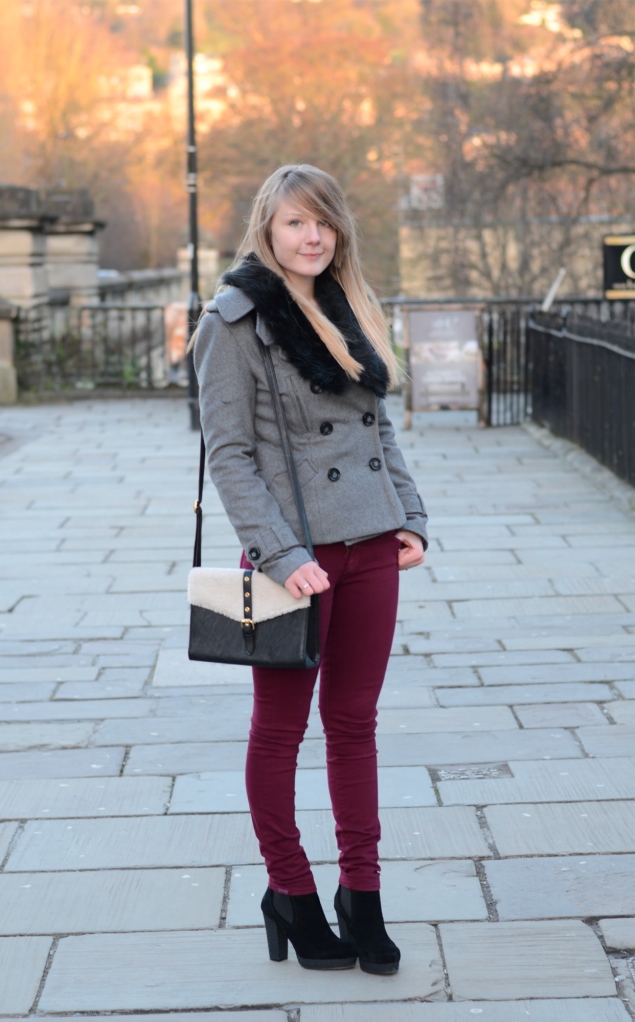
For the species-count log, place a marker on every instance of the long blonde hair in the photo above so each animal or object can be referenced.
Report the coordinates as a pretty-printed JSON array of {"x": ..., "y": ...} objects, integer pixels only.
[{"x": 319, "y": 194}]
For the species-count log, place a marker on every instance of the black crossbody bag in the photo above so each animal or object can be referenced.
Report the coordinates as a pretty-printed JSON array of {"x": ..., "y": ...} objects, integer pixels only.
[{"x": 241, "y": 616}]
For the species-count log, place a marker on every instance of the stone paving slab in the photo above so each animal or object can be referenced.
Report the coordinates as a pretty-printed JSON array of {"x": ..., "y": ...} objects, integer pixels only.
[
  {"x": 506, "y": 695},
  {"x": 186, "y": 758},
  {"x": 618, "y": 934},
  {"x": 626, "y": 688},
  {"x": 257, "y": 1015},
  {"x": 502, "y": 658},
  {"x": 61, "y": 763},
  {"x": 7, "y": 833},
  {"x": 151, "y": 841},
  {"x": 110, "y": 901},
  {"x": 21, "y": 736},
  {"x": 87, "y": 796},
  {"x": 173, "y": 670},
  {"x": 209, "y": 705},
  {"x": 172, "y": 971},
  {"x": 562, "y": 640},
  {"x": 89, "y": 709},
  {"x": 159, "y": 731},
  {"x": 537, "y": 606},
  {"x": 608, "y": 740},
  {"x": 541, "y": 673},
  {"x": 566, "y": 1010},
  {"x": 417, "y": 586},
  {"x": 451, "y": 719},
  {"x": 22, "y": 673},
  {"x": 525, "y": 959},
  {"x": 566, "y": 781},
  {"x": 561, "y": 827},
  {"x": 619, "y": 654},
  {"x": 477, "y": 746},
  {"x": 411, "y": 891},
  {"x": 26, "y": 691},
  {"x": 409, "y": 693},
  {"x": 617, "y": 584},
  {"x": 623, "y": 712},
  {"x": 22, "y": 963},
  {"x": 559, "y": 715},
  {"x": 558, "y": 888},
  {"x": 411, "y": 673},
  {"x": 224, "y": 792}
]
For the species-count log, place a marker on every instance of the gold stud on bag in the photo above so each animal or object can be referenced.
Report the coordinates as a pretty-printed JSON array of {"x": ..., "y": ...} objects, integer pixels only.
[{"x": 240, "y": 616}]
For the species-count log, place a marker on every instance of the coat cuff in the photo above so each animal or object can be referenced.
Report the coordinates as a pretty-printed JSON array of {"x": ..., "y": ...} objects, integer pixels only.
[
  {"x": 280, "y": 568},
  {"x": 417, "y": 524}
]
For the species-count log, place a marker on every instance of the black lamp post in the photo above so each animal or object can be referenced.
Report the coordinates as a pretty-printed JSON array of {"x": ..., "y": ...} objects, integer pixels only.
[{"x": 194, "y": 300}]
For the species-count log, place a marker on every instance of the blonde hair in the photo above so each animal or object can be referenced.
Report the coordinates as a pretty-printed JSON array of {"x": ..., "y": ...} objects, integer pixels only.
[{"x": 319, "y": 194}]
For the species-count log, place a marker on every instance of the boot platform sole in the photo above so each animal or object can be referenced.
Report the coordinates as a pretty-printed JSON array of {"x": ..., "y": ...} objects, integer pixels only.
[
  {"x": 326, "y": 963},
  {"x": 379, "y": 969}
]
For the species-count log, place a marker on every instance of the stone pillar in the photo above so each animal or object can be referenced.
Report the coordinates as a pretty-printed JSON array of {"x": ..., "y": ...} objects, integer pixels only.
[
  {"x": 72, "y": 251},
  {"x": 8, "y": 377},
  {"x": 207, "y": 271},
  {"x": 23, "y": 224}
]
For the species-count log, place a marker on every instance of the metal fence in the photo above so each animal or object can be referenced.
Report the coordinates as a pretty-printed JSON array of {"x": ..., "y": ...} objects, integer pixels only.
[
  {"x": 583, "y": 384},
  {"x": 60, "y": 348}
]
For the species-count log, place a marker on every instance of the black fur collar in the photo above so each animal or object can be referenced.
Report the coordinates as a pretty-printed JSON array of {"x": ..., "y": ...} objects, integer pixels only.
[{"x": 297, "y": 338}]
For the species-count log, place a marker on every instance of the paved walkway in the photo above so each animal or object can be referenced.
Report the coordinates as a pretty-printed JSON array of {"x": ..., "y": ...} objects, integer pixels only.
[{"x": 129, "y": 877}]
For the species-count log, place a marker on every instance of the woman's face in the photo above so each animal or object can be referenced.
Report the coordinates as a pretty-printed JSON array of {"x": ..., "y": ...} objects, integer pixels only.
[{"x": 303, "y": 245}]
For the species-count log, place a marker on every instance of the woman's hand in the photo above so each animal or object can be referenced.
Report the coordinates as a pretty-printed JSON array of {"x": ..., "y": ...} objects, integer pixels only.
[
  {"x": 308, "y": 579},
  {"x": 411, "y": 550}
]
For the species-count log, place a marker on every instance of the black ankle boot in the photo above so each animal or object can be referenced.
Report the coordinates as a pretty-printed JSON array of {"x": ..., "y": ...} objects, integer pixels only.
[
  {"x": 299, "y": 918},
  {"x": 361, "y": 921}
]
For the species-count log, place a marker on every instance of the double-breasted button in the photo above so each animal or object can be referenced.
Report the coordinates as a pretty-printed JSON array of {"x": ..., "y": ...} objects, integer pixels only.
[
  {"x": 368, "y": 418},
  {"x": 254, "y": 553},
  {"x": 334, "y": 474},
  {"x": 315, "y": 388},
  {"x": 375, "y": 464},
  {"x": 326, "y": 428}
]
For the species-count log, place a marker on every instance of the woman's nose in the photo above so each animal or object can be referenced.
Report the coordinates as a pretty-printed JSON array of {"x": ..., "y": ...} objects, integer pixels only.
[{"x": 312, "y": 234}]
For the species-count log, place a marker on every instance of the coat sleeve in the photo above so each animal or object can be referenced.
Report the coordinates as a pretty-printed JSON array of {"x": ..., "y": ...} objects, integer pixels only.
[
  {"x": 415, "y": 517},
  {"x": 227, "y": 400}
]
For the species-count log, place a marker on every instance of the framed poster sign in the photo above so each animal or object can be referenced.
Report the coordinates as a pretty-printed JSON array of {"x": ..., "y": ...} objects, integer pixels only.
[{"x": 443, "y": 357}]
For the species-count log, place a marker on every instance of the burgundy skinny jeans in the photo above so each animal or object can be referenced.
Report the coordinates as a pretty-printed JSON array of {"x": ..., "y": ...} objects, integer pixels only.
[{"x": 357, "y": 624}]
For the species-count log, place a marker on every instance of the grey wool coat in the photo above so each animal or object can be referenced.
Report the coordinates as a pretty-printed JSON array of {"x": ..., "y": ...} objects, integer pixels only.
[{"x": 354, "y": 480}]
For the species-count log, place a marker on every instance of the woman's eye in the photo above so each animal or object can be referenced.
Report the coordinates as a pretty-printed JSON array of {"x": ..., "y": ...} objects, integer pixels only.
[
  {"x": 293, "y": 223},
  {"x": 325, "y": 223}
]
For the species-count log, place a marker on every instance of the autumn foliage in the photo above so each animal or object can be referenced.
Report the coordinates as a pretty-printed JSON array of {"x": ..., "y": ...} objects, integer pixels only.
[{"x": 524, "y": 107}]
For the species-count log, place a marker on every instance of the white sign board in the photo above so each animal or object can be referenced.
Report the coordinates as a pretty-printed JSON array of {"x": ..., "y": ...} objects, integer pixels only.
[{"x": 445, "y": 361}]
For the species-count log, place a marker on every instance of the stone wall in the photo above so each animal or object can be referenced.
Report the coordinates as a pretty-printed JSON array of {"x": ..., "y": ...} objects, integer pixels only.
[{"x": 439, "y": 258}]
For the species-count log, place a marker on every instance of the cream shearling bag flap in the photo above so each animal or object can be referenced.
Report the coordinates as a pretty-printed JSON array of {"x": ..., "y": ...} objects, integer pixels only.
[{"x": 221, "y": 590}]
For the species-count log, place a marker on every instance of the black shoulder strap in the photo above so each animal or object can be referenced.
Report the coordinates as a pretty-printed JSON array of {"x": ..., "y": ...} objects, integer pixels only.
[{"x": 288, "y": 454}]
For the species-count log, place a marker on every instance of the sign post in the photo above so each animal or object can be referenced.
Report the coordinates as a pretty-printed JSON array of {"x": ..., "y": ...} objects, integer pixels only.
[{"x": 194, "y": 301}]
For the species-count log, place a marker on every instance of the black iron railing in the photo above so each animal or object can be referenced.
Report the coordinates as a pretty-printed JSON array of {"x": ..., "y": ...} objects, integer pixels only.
[
  {"x": 582, "y": 384},
  {"x": 88, "y": 346}
]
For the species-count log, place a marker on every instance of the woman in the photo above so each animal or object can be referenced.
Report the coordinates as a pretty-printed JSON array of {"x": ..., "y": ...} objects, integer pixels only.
[{"x": 297, "y": 287}]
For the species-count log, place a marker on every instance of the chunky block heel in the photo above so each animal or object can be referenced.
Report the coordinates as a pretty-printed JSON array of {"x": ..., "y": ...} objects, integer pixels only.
[
  {"x": 361, "y": 922},
  {"x": 300, "y": 919},
  {"x": 345, "y": 933},
  {"x": 276, "y": 941}
]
